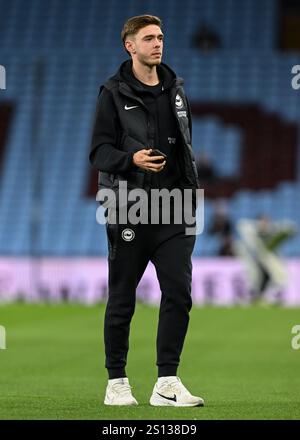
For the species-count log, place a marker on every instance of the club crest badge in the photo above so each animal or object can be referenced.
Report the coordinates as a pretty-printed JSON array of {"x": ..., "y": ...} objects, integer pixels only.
[
  {"x": 128, "y": 234},
  {"x": 178, "y": 102}
]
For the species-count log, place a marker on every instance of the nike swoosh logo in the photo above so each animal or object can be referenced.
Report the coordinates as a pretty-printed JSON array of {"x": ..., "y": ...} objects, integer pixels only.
[
  {"x": 129, "y": 108},
  {"x": 169, "y": 398}
]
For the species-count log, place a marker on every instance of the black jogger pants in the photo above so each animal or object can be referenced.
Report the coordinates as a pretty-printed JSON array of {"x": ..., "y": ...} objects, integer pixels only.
[{"x": 131, "y": 247}]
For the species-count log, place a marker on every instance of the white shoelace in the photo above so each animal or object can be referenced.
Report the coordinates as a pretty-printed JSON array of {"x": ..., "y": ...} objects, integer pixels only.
[
  {"x": 175, "y": 385},
  {"x": 121, "y": 389}
]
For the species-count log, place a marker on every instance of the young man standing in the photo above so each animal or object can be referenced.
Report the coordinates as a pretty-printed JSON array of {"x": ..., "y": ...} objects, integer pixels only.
[{"x": 142, "y": 108}]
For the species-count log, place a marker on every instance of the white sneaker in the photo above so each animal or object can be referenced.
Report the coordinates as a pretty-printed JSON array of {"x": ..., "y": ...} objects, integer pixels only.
[
  {"x": 169, "y": 391},
  {"x": 118, "y": 392}
]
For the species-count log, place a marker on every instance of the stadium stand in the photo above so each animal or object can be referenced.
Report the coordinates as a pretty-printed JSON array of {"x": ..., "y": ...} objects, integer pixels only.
[{"x": 56, "y": 57}]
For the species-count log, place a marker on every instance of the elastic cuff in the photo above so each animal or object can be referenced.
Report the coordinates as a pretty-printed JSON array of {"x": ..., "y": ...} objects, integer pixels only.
[
  {"x": 167, "y": 370},
  {"x": 133, "y": 166},
  {"x": 116, "y": 373}
]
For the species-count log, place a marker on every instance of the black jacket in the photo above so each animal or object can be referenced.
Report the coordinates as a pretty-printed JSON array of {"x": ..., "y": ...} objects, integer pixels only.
[{"x": 126, "y": 121}]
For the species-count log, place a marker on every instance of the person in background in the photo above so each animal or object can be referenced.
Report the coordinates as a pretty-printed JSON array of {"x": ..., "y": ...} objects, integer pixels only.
[
  {"x": 206, "y": 39},
  {"x": 221, "y": 226},
  {"x": 259, "y": 242},
  {"x": 205, "y": 169}
]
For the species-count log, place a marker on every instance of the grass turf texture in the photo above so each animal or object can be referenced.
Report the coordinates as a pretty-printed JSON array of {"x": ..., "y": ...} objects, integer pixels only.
[{"x": 239, "y": 359}]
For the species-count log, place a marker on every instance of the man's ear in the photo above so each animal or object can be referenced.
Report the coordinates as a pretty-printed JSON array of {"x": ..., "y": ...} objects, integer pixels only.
[{"x": 130, "y": 46}]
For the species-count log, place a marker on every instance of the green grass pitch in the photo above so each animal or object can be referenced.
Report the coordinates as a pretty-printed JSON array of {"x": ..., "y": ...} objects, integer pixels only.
[{"x": 240, "y": 360}]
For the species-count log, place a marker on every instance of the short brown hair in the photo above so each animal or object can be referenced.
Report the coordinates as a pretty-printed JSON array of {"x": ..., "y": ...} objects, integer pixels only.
[{"x": 134, "y": 24}]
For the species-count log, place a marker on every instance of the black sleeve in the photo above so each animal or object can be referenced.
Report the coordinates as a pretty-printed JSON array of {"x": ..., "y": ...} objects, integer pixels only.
[{"x": 104, "y": 153}]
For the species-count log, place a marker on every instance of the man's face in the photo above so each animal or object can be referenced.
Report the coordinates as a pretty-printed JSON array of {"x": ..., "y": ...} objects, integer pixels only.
[{"x": 147, "y": 45}]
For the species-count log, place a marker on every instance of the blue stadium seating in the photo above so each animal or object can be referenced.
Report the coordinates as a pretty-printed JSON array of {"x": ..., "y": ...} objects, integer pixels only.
[{"x": 56, "y": 56}]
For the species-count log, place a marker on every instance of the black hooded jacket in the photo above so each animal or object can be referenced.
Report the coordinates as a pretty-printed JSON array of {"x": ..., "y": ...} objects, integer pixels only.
[{"x": 131, "y": 116}]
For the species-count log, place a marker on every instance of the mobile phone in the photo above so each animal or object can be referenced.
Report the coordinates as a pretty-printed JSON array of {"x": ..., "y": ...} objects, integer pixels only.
[{"x": 156, "y": 152}]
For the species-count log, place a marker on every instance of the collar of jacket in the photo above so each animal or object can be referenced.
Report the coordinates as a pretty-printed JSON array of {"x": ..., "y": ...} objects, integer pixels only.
[
  {"x": 166, "y": 75},
  {"x": 125, "y": 74}
]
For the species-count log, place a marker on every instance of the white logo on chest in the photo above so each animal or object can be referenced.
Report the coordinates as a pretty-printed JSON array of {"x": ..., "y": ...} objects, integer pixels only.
[
  {"x": 128, "y": 234},
  {"x": 130, "y": 108},
  {"x": 178, "y": 102}
]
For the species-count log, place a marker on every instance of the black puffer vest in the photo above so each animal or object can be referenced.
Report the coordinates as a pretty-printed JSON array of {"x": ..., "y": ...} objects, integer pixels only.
[{"x": 135, "y": 133}]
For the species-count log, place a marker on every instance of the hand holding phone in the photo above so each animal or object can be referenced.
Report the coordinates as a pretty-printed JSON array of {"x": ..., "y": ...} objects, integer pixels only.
[
  {"x": 157, "y": 152},
  {"x": 144, "y": 159}
]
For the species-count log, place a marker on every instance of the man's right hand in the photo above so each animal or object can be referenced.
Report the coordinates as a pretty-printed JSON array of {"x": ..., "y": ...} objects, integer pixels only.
[{"x": 143, "y": 160}]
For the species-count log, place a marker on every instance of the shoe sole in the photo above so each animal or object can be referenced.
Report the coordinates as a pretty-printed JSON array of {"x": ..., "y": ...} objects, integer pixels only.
[
  {"x": 120, "y": 404},
  {"x": 158, "y": 402}
]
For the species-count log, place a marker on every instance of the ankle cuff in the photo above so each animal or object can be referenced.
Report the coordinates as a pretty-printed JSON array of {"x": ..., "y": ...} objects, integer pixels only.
[
  {"x": 116, "y": 373},
  {"x": 167, "y": 370}
]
